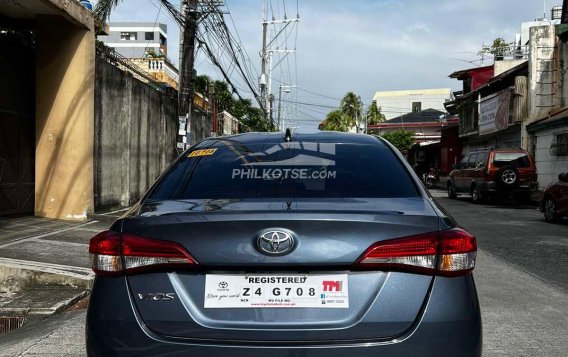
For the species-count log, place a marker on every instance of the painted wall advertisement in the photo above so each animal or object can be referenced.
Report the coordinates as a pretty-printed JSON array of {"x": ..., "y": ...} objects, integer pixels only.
[{"x": 494, "y": 113}]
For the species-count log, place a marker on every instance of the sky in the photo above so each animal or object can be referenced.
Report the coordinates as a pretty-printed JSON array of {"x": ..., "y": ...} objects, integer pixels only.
[{"x": 362, "y": 46}]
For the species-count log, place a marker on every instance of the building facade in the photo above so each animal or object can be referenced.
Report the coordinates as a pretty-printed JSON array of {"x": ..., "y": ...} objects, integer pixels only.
[
  {"x": 492, "y": 110},
  {"x": 229, "y": 124},
  {"x": 548, "y": 122},
  {"x": 524, "y": 106},
  {"x": 145, "y": 45},
  {"x": 137, "y": 39},
  {"x": 47, "y": 110},
  {"x": 395, "y": 103}
]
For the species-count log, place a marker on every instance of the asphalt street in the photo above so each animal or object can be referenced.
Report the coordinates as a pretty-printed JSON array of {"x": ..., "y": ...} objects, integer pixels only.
[
  {"x": 520, "y": 276},
  {"x": 515, "y": 233}
]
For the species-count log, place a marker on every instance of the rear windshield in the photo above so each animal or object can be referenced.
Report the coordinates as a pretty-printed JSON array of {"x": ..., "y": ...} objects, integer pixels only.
[
  {"x": 516, "y": 159},
  {"x": 230, "y": 169}
]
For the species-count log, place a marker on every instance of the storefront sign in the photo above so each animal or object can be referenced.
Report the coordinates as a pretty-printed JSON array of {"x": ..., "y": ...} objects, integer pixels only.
[{"x": 494, "y": 113}]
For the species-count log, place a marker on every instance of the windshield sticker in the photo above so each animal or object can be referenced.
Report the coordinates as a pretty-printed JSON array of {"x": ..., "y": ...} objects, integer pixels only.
[{"x": 204, "y": 152}]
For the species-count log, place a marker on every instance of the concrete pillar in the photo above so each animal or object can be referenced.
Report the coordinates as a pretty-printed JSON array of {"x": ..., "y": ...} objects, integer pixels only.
[
  {"x": 543, "y": 77},
  {"x": 65, "y": 82},
  {"x": 542, "y": 71}
]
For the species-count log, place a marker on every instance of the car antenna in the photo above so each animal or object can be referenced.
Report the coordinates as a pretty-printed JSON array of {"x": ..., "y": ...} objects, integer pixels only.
[{"x": 288, "y": 135}]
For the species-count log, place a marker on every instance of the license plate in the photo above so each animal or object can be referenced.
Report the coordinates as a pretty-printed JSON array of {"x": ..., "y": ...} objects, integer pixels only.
[{"x": 276, "y": 291}]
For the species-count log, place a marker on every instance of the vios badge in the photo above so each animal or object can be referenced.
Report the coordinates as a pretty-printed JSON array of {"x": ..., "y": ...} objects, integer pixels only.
[{"x": 275, "y": 242}]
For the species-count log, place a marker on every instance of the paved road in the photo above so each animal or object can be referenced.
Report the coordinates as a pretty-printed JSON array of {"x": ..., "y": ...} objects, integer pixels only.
[
  {"x": 48, "y": 241},
  {"x": 517, "y": 234},
  {"x": 519, "y": 272}
]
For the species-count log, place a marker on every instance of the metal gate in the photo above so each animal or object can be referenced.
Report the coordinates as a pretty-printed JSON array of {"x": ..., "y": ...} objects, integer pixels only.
[
  {"x": 17, "y": 123},
  {"x": 10, "y": 323}
]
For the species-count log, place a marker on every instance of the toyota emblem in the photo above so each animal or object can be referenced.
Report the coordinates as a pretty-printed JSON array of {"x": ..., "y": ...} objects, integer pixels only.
[{"x": 275, "y": 242}]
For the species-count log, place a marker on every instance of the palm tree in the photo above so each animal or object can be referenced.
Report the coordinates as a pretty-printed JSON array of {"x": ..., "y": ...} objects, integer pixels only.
[
  {"x": 104, "y": 8},
  {"x": 352, "y": 107},
  {"x": 374, "y": 115},
  {"x": 335, "y": 121}
]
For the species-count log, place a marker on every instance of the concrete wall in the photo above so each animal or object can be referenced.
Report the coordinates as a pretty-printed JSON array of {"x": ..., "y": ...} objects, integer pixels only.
[
  {"x": 64, "y": 119},
  {"x": 563, "y": 86},
  {"x": 509, "y": 138},
  {"x": 135, "y": 136},
  {"x": 200, "y": 126},
  {"x": 548, "y": 167},
  {"x": 542, "y": 71},
  {"x": 505, "y": 65}
]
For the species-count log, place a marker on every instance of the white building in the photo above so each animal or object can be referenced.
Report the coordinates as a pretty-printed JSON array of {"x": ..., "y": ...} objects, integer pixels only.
[
  {"x": 230, "y": 124},
  {"x": 397, "y": 103},
  {"x": 135, "y": 39},
  {"x": 145, "y": 44},
  {"x": 555, "y": 17}
]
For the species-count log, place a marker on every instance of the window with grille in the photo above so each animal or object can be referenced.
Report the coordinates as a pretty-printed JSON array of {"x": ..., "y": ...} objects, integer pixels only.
[
  {"x": 128, "y": 36},
  {"x": 559, "y": 145}
]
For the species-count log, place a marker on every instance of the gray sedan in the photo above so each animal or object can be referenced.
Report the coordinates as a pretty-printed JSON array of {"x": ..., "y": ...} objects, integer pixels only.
[{"x": 272, "y": 244}]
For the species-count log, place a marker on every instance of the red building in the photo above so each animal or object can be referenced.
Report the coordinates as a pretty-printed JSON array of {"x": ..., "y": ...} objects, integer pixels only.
[
  {"x": 436, "y": 138},
  {"x": 450, "y": 148}
]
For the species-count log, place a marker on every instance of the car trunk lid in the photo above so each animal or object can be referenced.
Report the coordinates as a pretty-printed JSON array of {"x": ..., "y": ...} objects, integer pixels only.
[{"x": 330, "y": 236}]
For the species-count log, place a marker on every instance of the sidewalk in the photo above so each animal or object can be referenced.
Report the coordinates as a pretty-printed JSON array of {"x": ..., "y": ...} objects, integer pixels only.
[{"x": 44, "y": 265}]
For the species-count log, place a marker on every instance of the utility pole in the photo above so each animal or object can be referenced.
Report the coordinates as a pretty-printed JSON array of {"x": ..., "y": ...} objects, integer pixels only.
[
  {"x": 186, "y": 57},
  {"x": 263, "y": 95},
  {"x": 279, "y": 106},
  {"x": 266, "y": 57},
  {"x": 270, "y": 101},
  {"x": 213, "y": 110}
]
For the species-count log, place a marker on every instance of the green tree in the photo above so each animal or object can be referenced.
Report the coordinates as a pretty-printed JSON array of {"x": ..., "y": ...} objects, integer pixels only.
[
  {"x": 401, "y": 139},
  {"x": 498, "y": 49},
  {"x": 352, "y": 108},
  {"x": 374, "y": 115},
  {"x": 251, "y": 118},
  {"x": 223, "y": 95},
  {"x": 201, "y": 83},
  {"x": 153, "y": 54},
  {"x": 336, "y": 121}
]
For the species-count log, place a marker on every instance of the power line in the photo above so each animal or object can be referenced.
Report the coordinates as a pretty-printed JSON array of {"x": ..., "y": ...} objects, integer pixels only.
[{"x": 221, "y": 35}]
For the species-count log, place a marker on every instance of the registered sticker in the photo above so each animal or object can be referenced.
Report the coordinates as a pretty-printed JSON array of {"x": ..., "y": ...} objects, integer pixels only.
[
  {"x": 276, "y": 291},
  {"x": 204, "y": 152}
]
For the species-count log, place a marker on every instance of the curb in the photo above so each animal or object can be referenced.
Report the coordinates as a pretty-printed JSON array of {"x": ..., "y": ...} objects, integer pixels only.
[
  {"x": 108, "y": 217},
  {"x": 34, "y": 290},
  {"x": 44, "y": 311},
  {"x": 79, "y": 276}
]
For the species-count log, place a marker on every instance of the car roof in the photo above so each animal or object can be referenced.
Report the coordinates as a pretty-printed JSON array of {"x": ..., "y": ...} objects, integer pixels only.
[
  {"x": 278, "y": 137},
  {"x": 497, "y": 150}
]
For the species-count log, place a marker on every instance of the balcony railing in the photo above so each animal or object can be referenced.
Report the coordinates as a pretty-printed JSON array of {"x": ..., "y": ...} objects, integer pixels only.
[{"x": 511, "y": 52}]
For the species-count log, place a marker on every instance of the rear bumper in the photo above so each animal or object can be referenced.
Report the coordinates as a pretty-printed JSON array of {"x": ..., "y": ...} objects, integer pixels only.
[
  {"x": 492, "y": 186},
  {"x": 450, "y": 326}
]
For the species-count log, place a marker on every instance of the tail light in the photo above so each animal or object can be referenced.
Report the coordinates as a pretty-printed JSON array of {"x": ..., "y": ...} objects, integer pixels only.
[
  {"x": 114, "y": 254},
  {"x": 450, "y": 252}
]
